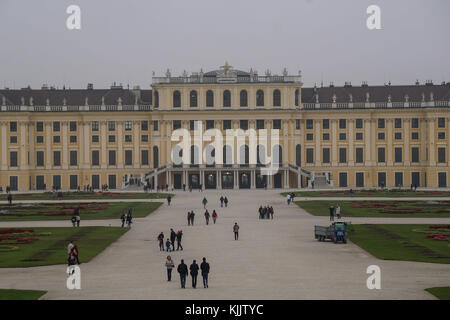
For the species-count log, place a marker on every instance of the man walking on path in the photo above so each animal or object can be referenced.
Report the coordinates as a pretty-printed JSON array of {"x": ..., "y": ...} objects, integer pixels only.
[
  {"x": 161, "y": 241},
  {"x": 173, "y": 235},
  {"x": 168, "y": 245},
  {"x": 271, "y": 212},
  {"x": 207, "y": 217},
  {"x": 221, "y": 201},
  {"x": 204, "y": 202},
  {"x": 69, "y": 252},
  {"x": 194, "y": 273},
  {"x": 331, "y": 213},
  {"x": 169, "y": 265},
  {"x": 204, "y": 266},
  {"x": 10, "y": 198},
  {"x": 288, "y": 198},
  {"x": 225, "y": 200},
  {"x": 123, "y": 218},
  {"x": 189, "y": 218},
  {"x": 74, "y": 253},
  {"x": 169, "y": 198},
  {"x": 179, "y": 235},
  {"x": 182, "y": 270},
  {"x": 192, "y": 217},
  {"x": 236, "y": 231},
  {"x": 214, "y": 216}
]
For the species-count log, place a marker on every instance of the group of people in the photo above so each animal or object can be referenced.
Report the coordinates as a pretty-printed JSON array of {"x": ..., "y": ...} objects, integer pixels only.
[
  {"x": 335, "y": 210},
  {"x": 127, "y": 216},
  {"x": 223, "y": 200},
  {"x": 266, "y": 212},
  {"x": 290, "y": 197},
  {"x": 193, "y": 270},
  {"x": 72, "y": 252},
  {"x": 170, "y": 242}
]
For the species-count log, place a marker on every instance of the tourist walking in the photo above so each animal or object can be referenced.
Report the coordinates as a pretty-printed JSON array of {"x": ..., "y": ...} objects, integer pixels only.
[
  {"x": 288, "y": 198},
  {"x": 9, "y": 198},
  {"x": 271, "y": 212},
  {"x": 173, "y": 236},
  {"x": 338, "y": 212},
  {"x": 204, "y": 201},
  {"x": 225, "y": 200},
  {"x": 192, "y": 217},
  {"x": 194, "y": 273},
  {"x": 204, "y": 266},
  {"x": 161, "y": 241},
  {"x": 129, "y": 219},
  {"x": 331, "y": 213},
  {"x": 207, "y": 216},
  {"x": 236, "y": 231},
  {"x": 214, "y": 216},
  {"x": 169, "y": 198},
  {"x": 189, "y": 218},
  {"x": 123, "y": 218},
  {"x": 179, "y": 236},
  {"x": 74, "y": 254},
  {"x": 183, "y": 271},
  {"x": 169, "y": 265},
  {"x": 78, "y": 220},
  {"x": 69, "y": 253},
  {"x": 221, "y": 201}
]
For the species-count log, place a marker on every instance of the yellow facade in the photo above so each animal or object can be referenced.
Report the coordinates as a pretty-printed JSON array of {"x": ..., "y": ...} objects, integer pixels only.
[{"x": 343, "y": 140}]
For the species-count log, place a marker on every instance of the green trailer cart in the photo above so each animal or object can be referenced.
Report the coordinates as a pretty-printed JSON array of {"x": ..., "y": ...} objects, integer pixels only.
[{"x": 337, "y": 231}]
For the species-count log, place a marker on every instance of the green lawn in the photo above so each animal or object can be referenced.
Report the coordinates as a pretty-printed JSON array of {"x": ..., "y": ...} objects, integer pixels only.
[
  {"x": 86, "y": 195},
  {"x": 12, "y": 294},
  {"x": 407, "y": 242},
  {"x": 63, "y": 211},
  {"x": 393, "y": 193},
  {"x": 48, "y": 246},
  {"x": 379, "y": 208},
  {"x": 442, "y": 293}
]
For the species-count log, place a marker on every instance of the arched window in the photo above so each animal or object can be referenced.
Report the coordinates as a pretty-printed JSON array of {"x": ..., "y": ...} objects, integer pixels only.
[
  {"x": 156, "y": 104},
  {"x": 243, "y": 98},
  {"x": 227, "y": 155},
  {"x": 260, "y": 98},
  {"x": 277, "y": 154},
  {"x": 176, "y": 99},
  {"x": 177, "y": 155},
  {"x": 209, "y": 98},
  {"x": 210, "y": 155},
  {"x": 260, "y": 154},
  {"x": 244, "y": 155},
  {"x": 276, "y": 98},
  {"x": 298, "y": 155},
  {"x": 297, "y": 94},
  {"x": 227, "y": 98},
  {"x": 194, "y": 155},
  {"x": 193, "y": 98},
  {"x": 155, "y": 157}
]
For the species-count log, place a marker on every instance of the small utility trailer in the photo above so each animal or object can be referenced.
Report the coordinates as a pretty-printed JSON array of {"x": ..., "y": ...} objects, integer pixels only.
[{"x": 337, "y": 231}]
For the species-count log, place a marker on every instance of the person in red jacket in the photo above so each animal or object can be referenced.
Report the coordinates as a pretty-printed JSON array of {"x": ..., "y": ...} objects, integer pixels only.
[
  {"x": 74, "y": 253},
  {"x": 214, "y": 216}
]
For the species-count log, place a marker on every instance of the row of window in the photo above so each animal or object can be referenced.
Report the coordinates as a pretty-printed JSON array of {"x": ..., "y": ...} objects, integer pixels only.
[
  {"x": 73, "y": 158},
  {"x": 359, "y": 155},
  {"x": 226, "y": 98},
  {"x": 226, "y": 124},
  {"x": 382, "y": 179}
]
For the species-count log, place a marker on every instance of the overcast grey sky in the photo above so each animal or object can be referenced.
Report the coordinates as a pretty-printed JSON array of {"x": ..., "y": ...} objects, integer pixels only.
[{"x": 124, "y": 41}]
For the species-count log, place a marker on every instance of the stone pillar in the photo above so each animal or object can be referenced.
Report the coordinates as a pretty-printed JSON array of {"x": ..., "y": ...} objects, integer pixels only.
[
  {"x": 136, "y": 141},
  {"x": 85, "y": 144},
  {"x": 155, "y": 181},
  {"x": 334, "y": 158},
  {"x": 65, "y": 153},
  {"x": 103, "y": 144},
  {"x": 431, "y": 144},
  {"x": 407, "y": 151},
  {"x": 317, "y": 157},
  {"x": 4, "y": 142},
  {"x": 236, "y": 179},
  {"x": 367, "y": 138},
  {"x": 119, "y": 144},
  {"x": 389, "y": 143},
  {"x": 351, "y": 152},
  {"x": 22, "y": 143},
  {"x": 252, "y": 179}
]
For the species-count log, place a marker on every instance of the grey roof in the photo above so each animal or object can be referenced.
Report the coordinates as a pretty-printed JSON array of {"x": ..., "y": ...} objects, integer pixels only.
[{"x": 77, "y": 97}]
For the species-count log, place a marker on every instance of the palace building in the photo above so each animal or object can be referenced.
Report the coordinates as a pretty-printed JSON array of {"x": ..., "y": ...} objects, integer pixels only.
[{"x": 350, "y": 136}]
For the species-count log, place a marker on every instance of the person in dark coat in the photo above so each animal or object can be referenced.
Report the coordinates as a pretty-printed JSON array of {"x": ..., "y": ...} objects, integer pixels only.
[
  {"x": 221, "y": 201},
  {"x": 169, "y": 198},
  {"x": 10, "y": 198},
  {"x": 183, "y": 271},
  {"x": 173, "y": 236},
  {"x": 225, "y": 200},
  {"x": 207, "y": 215},
  {"x": 194, "y": 273},
  {"x": 204, "y": 266},
  {"x": 204, "y": 201},
  {"x": 179, "y": 236},
  {"x": 331, "y": 213},
  {"x": 189, "y": 218},
  {"x": 192, "y": 217},
  {"x": 260, "y": 210},
  {"x": 161, "y": 241}
]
